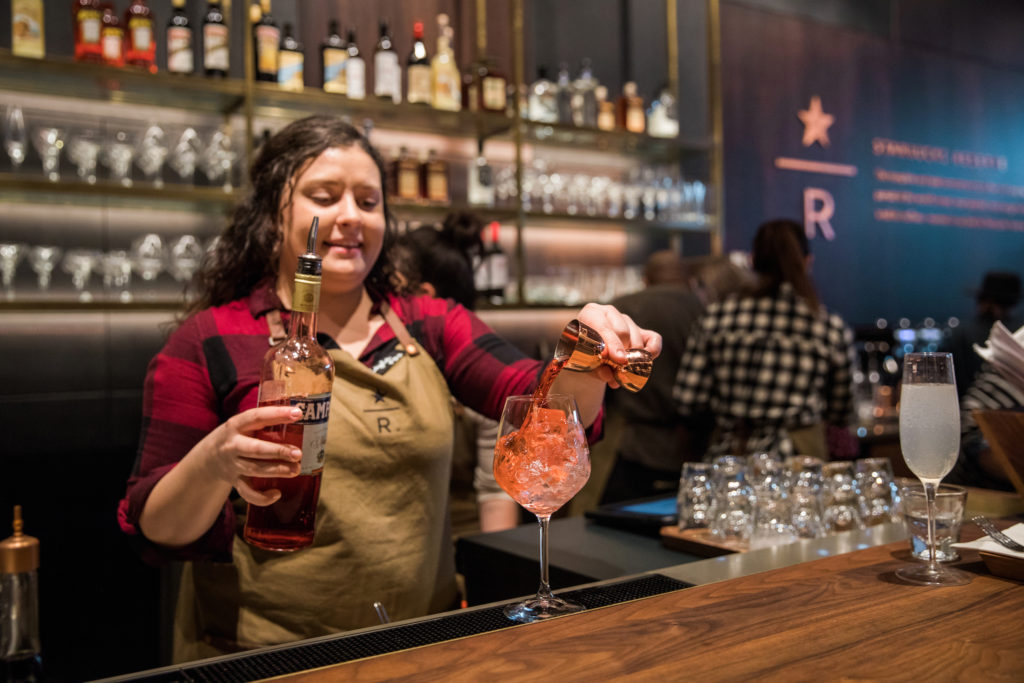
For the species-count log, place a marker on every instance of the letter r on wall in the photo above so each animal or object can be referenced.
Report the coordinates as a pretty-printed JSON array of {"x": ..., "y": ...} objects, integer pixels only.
[{"x": 819, "y": 207}]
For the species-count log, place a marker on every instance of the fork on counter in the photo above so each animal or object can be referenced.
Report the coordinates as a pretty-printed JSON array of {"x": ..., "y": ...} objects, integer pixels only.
[{"x": 996, "y": 535}]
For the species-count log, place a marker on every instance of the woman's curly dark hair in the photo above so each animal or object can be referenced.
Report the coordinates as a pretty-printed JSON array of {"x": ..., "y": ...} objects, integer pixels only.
[{"x": 246, "y": 253}]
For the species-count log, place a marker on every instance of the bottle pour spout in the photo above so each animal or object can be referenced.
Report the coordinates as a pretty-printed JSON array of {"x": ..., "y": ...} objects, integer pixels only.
[{"x": 310, "y": 262}]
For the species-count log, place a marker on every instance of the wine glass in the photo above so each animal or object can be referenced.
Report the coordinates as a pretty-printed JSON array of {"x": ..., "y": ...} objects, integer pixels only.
[
  {"x": 541, "y": 459},
  {"x": 49, "y": 142},
  {"x": 11, "y": 254},
  {"x": 930, "y": 441},
  {"x": 15, "y": 138},
  {"x": 44, "y": 259}
]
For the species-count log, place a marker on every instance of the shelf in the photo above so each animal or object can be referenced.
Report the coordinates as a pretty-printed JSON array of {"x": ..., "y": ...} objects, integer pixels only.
[
  {"x": 100, "y": 303},
  {"x": 67, "y": 78},
  {"x": 35, "y": 189},
  {"x": 612, "y": 141},
  {"x": 705, "y": 225},
  {"x": 407, "y": 209},
  {"x": 270, "y": 100}
]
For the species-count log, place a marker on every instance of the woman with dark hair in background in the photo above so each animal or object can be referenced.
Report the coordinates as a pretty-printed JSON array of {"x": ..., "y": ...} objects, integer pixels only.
[
  {"x": 382, "y": 532},
  {"x": 772, "y": 366}
]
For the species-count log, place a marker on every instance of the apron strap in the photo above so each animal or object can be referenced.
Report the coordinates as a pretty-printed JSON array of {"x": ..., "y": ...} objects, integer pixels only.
[{"x": 404, "y": 338}]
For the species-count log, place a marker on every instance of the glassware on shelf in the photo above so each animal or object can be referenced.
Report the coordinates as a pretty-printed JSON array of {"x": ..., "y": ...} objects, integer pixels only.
[
  {"x": 185, "y": 155},
  {"x": 185, "y": 256},
  {"x": 79, "y": 264},
  {"x": 11, "y": 254},
  {"x": 217, "y": 159},
  {"x": 43, "y": 259},
  {"x": 117, "y": 156},
  {"x": 84, "y": 152},
  {"x": 15, "y": 138},
  {"x": 49, "y": 142},
  {"x": 842, "y": 510},
  {"x": 116, "y": 267},
  {"x": 148, "y": 256},
  {"x": 151, "y": 154}
]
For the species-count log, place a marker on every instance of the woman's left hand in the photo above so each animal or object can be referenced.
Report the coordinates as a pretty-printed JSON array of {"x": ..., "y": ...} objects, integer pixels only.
[{"x": 619, "y": 333}]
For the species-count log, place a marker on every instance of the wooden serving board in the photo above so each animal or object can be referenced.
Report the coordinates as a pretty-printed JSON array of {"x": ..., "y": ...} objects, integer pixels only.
[
  {"x": 698, "y": 542},
  {"x": 1001, "y": 565}
]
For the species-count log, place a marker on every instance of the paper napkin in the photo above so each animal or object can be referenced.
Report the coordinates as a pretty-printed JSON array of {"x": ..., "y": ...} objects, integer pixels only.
[{"x": 1016, "y": 532}]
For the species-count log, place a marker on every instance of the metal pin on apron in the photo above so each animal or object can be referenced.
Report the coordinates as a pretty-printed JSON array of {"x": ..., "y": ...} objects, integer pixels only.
[{"x": 382, "y": 613}]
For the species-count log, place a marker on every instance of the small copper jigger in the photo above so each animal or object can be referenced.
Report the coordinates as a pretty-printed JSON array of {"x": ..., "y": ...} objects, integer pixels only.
[{"x": 582, "y": 346}]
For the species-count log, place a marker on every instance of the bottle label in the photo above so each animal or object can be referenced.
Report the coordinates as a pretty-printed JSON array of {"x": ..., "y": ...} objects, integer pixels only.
[
  {"x": 267, "y": 39},
  {"x": 334, "y": 69},
  {"x": 289, "y": 72},
  {"x": 635, "y": 119},
  {"x": 408, "y": 184},
  {"x": 437, "y": 186},
  {"x": 355, "y": 78},
  {"x": 142, "y": 34},
  {"x": 419, "y": 84},
  {"x": 494, "y": 93},
  {"x": 179, "y": 50},
  {"x": 446, "y": 91},
  {"x": 90, "y": 24},
  {"x": 388, "y": 76},
  {"x": 27, "y": 28},
  {"x": 215, "y": 46},
  {"x": 316, "y": 408},
  {"x": 110, "y": 45}
]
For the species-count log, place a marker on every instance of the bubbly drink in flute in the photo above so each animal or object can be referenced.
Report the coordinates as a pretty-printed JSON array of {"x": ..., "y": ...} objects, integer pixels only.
[{"x": 929, "y": 429}]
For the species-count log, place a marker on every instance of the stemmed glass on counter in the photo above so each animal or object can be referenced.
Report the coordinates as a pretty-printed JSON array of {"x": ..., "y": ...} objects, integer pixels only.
[
  {"x": 930, "y": 441},
  {"x": 541, "y": 459}
]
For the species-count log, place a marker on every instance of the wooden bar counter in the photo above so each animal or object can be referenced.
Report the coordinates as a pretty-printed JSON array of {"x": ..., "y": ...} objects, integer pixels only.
[{"x": 841, "y": 617}]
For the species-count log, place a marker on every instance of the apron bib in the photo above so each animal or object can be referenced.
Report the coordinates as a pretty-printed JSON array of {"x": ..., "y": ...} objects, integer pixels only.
[{"x": 382, "y": 525}]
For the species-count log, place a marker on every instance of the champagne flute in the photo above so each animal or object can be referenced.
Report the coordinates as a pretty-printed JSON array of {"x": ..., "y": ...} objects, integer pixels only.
[
  {"x": 541, "y": 459},
  {"x": 930, "y": 441}
]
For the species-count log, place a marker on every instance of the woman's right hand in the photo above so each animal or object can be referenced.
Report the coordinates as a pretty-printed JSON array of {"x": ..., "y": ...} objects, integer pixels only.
[{"x": 233, "y": 454}]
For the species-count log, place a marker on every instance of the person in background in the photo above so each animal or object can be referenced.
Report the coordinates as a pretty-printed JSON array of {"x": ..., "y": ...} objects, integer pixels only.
[
  {"x": 382, "y": 530},
  {"x": 998, "y": 296},
  {"x": 977, "y": 465},
  {"x": 772, "y": 366},
  {"x": 439, "y": 263},
  {"x": 651, "y": 441}
]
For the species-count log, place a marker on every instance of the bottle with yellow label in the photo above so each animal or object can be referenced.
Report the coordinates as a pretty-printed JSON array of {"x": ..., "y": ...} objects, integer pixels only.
[
  {"x": 445, "y": 81},
  {"x": 290, "y": 61},
  {"x": 27, "y": 38}
]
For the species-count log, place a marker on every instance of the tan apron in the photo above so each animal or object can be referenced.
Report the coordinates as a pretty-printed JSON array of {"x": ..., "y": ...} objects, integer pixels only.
[{"x": 382, "y": 526}]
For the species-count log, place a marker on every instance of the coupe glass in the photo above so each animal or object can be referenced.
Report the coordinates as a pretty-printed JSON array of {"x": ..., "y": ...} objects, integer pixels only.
[
  {"x": 148, "y": 256},
  {"x": 84, "y": 152},
  {"x": 117, "y": 156},
  {"x": 15, "y": 138},
  {"x": 930, "y": 441},
  {"x": 151, "y": 154},
  {"x": 185, "y": 155},
  {"x": 185, "y": 256},
  {"x": 44, "y": 259},
  {"x": 79, "y": 264},
  {"x": 217, "y": 159},
  {"x": 116, "y": 267},
  {"x": 541, "y": 459},
  {"x": 49, "y": 142}
]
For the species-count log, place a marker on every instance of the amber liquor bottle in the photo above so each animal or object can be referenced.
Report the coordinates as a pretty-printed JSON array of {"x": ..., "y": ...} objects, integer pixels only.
[
  {"x": 140, "y": 38},
  {"x": 216, "y": 56},
  {"x": 297, "y": 372},
  {"x": 266, "y": 43}
]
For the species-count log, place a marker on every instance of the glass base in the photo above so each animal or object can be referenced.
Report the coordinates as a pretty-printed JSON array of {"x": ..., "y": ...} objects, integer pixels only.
[
  {"x": 539, "y": 608},
  {"x": 923, "y": 575}
]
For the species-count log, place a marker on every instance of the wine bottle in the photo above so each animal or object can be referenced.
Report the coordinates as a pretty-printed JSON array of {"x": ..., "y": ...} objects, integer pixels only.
[
  {"x": 492, "y": 272},
  {"x": 417, "y": 69},
  {"x": 387, "y": 74},
  {"x": 266, "y": 43},
  {"x": 88, "y": 22},
  {"x": 355, "y": 70},
  {"x": 333, "y": 54},
  {"x": 180, "y": 57},
  {"x": 300, "y": 373},
  {"x": 112, "y": 37},
  {"x": 27, "y": 35},
  {"x": 215, "y": 41},
  {"x": 140, "y": 38},
  {"x": 290, "y": 61}
]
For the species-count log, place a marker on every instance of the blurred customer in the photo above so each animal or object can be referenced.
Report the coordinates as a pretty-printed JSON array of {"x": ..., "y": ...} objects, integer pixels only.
[
  {"x": 772, "y": 366},
  {"x": 439, "y": 263},
  {"x": 976, "y": 465},
  {"x": 652, "y": 442},
  {"x": 999, "y": 294}
]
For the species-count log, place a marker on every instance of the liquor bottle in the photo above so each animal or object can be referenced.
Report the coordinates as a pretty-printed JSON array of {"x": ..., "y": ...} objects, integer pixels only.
[
  {"x": 140, "y": 37},
  {"x": 662, "y": 120},
  {"x": 180, "y": 57},
  {"x": 216, "y": 55},
  {"x": 493, "y": 87},
  {"x": 542, "y": 104},
  {"x": 27, "y": 35},
  {"x": 445, "y": 91},
  {"x": 491, "y": 276},
  {"x": 605, "y": 109},
  {"x": 481, "y": 180},
  {"x": 355, "y": 70},
  {"x": 333, "y": 53},
  {"x": 417, "y": 69},
  {"x": 297, "y": 372},
  {"x": 266, "y": 43},
  {"x": 112, "y": 37},
  {"x": 471, "y": 87},
  {"x": 434, "y": 178},
  {"x": 629, "y": 111},
  {"x": 290, "y": 61},
  {"x": 20, "y": 646},
  {"x": 584, "y": 101},
  {"x": 88, "y": 20},
  {"x": 387, "y": 74},
  {"x": 406, "y": 174},
  {"x": 563, "y": 95}
]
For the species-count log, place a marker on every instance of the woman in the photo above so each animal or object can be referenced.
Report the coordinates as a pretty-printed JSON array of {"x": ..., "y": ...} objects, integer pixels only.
[
  {"x": 381, "y": 522},
  {"x": 771, "y": 366}
]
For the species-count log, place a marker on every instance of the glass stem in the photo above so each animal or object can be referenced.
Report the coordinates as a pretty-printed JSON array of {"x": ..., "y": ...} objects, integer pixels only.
[
  {"x": 929, "y": 494},
  {"x": 545, "y": 586}
]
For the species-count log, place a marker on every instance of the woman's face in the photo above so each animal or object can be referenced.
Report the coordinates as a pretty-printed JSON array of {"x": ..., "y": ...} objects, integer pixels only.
[{"x": 342, "y": 187}]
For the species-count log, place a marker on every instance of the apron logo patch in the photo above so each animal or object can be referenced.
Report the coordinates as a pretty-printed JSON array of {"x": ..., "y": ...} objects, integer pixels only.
[{"x": 385, "y": 362}]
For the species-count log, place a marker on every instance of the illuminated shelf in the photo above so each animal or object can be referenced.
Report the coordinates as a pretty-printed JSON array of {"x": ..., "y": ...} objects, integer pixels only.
[
  {"x": 612, "y": 141},
  {"x": 20, "y": 187}
]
